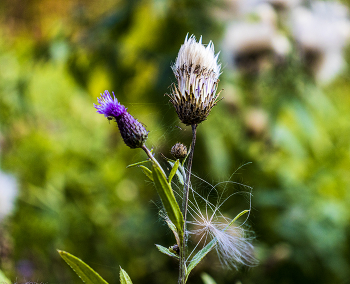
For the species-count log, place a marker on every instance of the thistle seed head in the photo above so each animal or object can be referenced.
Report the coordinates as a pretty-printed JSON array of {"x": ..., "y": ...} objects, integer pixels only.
[{"x": 197, "y": 72}]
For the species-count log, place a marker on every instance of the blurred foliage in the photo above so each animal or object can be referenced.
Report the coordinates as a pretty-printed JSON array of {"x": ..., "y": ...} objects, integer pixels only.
[{"x": 75, "y": 191}]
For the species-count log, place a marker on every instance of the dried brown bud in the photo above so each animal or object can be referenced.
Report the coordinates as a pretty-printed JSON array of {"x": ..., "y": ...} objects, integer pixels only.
[{"x": 179, "y": 151}]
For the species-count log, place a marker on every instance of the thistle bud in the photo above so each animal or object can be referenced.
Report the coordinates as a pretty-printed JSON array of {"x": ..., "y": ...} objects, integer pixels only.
[
  {"x": 179, "y": 151},
  {"x": 132, "y": 131},
  {"x": 197, "y": 72}
]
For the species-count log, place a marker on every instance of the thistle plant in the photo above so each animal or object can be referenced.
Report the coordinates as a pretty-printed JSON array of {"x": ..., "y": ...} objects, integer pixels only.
[{"x": 194, "y": 95}]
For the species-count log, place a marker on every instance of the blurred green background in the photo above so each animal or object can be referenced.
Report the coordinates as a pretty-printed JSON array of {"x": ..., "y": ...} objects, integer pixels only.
[{"x": 281, "y": 111}]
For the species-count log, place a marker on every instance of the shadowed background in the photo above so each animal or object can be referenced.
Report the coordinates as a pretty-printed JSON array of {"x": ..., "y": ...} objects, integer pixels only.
[{"x": 286, "y": 109}]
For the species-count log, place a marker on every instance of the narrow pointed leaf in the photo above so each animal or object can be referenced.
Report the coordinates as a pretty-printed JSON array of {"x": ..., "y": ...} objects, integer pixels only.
[
  {"x": 147, "y": 172},
  {"x": 180, "y": 171},
  {"x": 124, "y": 277},
  {"x": 166, "y": 194},
  {"x": 3, "y": 278},
  {"x": 235, "y": 219},
  {"x": 174, "y": 170},
  {"x": 167, "y": 251},
  {"x": 200, "y": 255},
  {"x": 138, "y": 163},
  {"x": 204, "y": 251},
  {"x": 84, "y": 271}
]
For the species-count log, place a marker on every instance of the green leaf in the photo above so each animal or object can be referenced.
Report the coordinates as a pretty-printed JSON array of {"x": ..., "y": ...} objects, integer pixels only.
[
  {"x": 234, "y": 219},
  {"x": 147, "y": 172},
  {"x": 173, "y": 170},
  {"x": 166, "y": 194},
  {"x": 204, "y": 251},
  {"x": 180, "y": 171},
  {"x": 167, "y": 251},
  {"x": 4, "y": 279},
  {"x": 207, "y": 279},
  {"x": 84, "y": 271},
  {"x": 200, "y": 255},
  {"x": 124, "y": 277},
  {"x": 138, "y": 163}
]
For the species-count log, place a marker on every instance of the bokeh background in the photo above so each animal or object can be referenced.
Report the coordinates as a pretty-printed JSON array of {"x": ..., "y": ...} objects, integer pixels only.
[{"x": 286, "y": 109}]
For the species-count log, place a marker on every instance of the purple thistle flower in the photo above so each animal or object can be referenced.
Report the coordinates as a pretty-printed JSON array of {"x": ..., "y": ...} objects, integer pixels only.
[
  {"x": 132, "y": 131},
  {"x": 109, "y": 106}
]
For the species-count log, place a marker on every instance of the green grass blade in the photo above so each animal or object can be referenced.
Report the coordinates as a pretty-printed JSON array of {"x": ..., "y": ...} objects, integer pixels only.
[
  {"x": 124, "y": 277},
  {"x": 84, "y": 271}
]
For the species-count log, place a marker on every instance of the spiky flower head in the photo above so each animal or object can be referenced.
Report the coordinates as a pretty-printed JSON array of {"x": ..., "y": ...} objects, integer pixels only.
[
  {"x": 179, "y": 151},
  {"x": 197, "y": 72},
  {"x": 132, "y": 131}
]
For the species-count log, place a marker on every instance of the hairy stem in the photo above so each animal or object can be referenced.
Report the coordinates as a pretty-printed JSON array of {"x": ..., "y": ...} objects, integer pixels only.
[
  {"x": 149, "y": 154},
  {"x": 182, "y": 269}
]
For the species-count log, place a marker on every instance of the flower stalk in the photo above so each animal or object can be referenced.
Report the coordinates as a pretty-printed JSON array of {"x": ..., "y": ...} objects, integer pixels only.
[{"x": 182, "y": 271}]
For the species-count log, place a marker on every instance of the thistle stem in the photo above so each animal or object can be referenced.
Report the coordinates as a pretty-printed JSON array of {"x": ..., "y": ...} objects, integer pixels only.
[
  {"x": 182, "y": 269},
  {"x": 149, "y": 154}
]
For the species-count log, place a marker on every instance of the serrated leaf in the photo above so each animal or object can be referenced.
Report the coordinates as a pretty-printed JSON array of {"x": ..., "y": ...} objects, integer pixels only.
[
  {"x": 147, "y": 172},
  {"x": 138, "y": 163},
  {"x": 124, "y": 277},
  {"x": 4, "y": 279},
  {"x": 167, "y": 197},
  {"x": 174, "y": 170},
  {"x": 167, "y": 251},
  {"x": 207, "y": 279},
  {"x": 204, "y": 251},
  {"x": 84, "y": 271}
]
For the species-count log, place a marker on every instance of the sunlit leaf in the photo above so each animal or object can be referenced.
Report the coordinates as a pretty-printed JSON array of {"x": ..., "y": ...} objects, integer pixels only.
[
  {"x": 4, "y": 279},
  {"x": 124, "y": 277},
  {"x": 84, "y": 271}
]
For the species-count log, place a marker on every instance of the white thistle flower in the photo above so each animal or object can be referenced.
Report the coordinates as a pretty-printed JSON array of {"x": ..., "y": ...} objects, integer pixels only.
[{"x": 197, "y": 72}]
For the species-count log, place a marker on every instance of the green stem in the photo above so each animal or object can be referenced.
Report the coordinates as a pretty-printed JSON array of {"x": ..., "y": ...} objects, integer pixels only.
[
  {"x": 149, "y": 154},
  {"x": 182, "y": 269}
]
